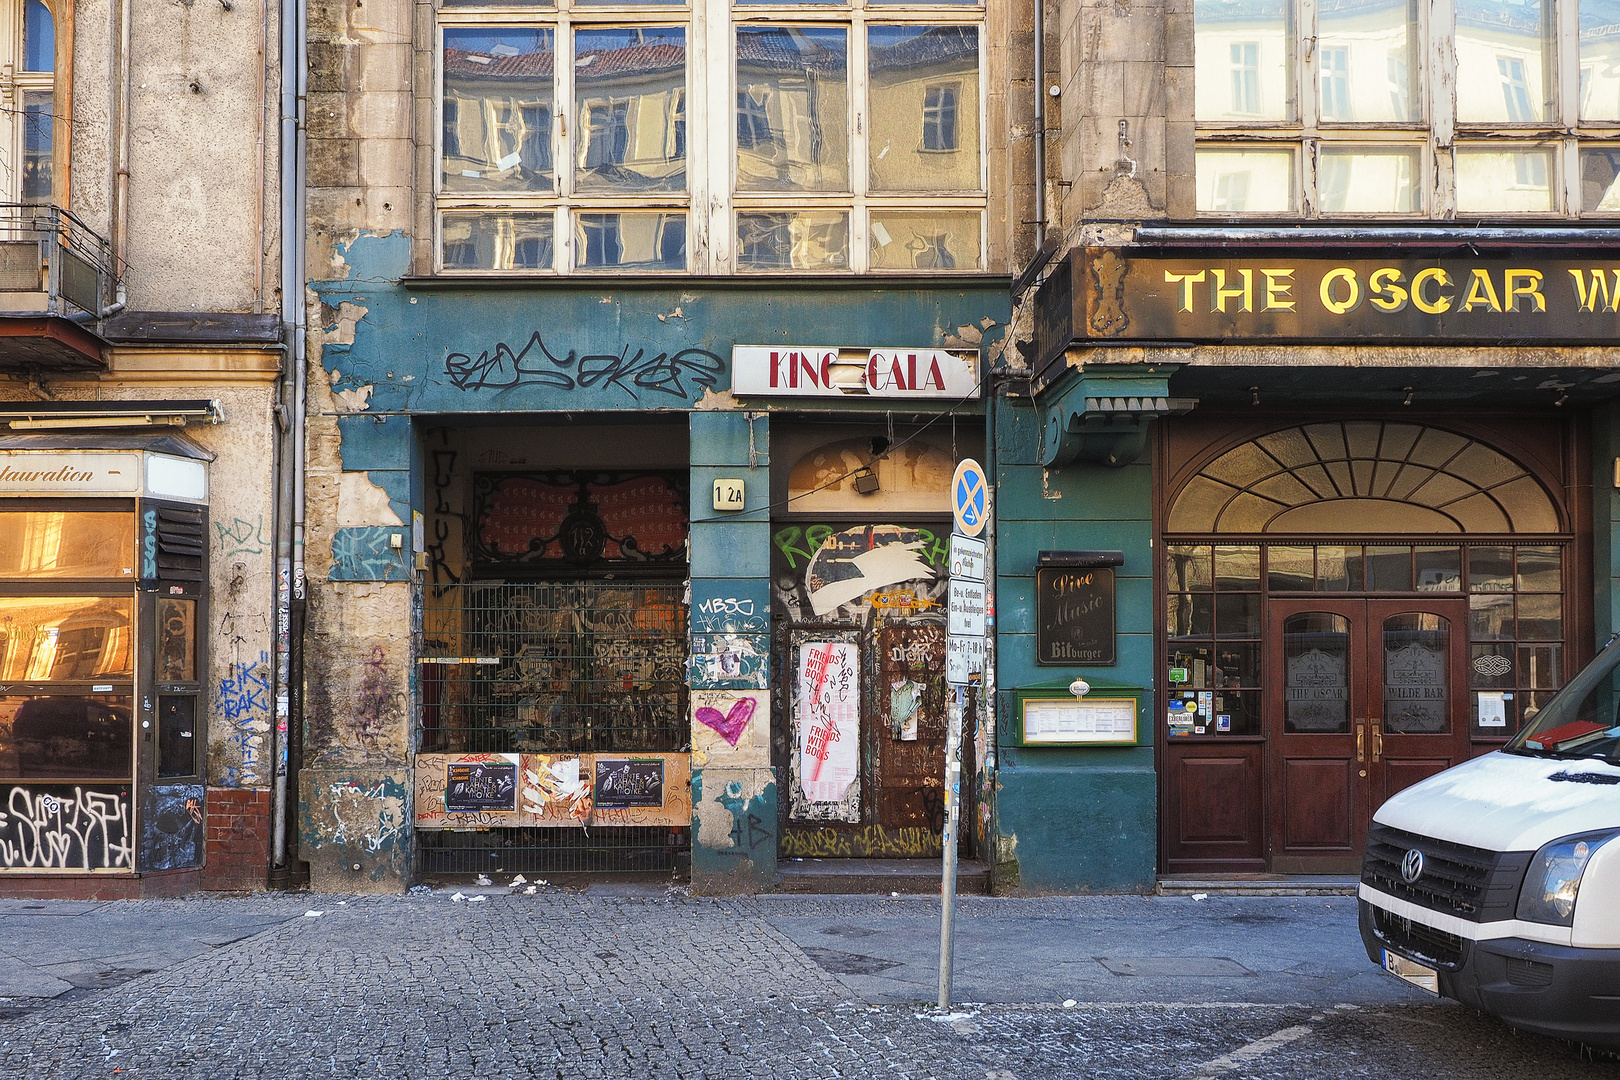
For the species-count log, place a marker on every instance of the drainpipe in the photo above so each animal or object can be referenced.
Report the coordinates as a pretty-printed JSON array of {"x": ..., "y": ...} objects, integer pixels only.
[
  {"x": 120, "y": 221},
  {"x": 1040, "y": 124},
  {"x": 988, "y": 710},
  {"x": 289, "y": 577}
]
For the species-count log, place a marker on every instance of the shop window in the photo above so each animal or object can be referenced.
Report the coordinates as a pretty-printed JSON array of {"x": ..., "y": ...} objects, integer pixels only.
[
  {"x": 1318, "y": 77},
  {"x": 913, "y": 478}
]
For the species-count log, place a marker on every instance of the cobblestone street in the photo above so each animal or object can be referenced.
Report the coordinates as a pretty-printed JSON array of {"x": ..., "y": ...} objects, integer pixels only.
[{"x": 568, "y": 984}]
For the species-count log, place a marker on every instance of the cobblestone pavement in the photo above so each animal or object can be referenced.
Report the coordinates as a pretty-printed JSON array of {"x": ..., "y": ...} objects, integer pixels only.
[{"x": 564, "y": 984}]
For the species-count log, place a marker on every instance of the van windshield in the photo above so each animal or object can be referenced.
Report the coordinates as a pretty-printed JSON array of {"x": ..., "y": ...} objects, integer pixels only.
[{"x": 1583, "y": 719}]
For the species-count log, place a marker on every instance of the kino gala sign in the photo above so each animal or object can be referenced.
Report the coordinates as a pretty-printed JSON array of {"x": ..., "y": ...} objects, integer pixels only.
[{"x": 1195, "y": 295}]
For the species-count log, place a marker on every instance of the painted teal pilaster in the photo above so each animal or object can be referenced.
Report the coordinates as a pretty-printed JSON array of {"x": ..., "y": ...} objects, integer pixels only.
[
  {"x": 1071, "y": 820},
  {"x": 733, "y": 785}
]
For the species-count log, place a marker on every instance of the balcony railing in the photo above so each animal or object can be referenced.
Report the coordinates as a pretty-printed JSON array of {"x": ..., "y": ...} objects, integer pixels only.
[{"x": 51, "y": 263}]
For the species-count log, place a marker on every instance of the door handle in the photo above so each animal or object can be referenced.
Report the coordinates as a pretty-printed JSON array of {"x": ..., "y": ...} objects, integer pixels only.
[
  {"x": 1378, "y": 743},
  {"x": 1361, "y": 742}
]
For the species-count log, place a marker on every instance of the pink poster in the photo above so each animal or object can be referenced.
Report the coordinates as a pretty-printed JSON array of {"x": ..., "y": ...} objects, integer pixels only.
[{"x": 829, "y": 719}]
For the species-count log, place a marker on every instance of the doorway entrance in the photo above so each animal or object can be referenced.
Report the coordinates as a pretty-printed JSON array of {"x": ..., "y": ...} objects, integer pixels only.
[
  {"x": 1351, "y": 606},
  {"x": 1366, "y": 705}
]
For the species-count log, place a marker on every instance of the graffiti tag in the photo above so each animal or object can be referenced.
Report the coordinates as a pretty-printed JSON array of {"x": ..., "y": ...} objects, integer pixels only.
[
  {"x": 64, "y": 827},
  {"x": 683, "y": 374}
]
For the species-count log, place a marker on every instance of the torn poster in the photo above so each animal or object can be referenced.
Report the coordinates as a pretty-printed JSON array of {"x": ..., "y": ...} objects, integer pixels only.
[{"x": 829, "y": 718}]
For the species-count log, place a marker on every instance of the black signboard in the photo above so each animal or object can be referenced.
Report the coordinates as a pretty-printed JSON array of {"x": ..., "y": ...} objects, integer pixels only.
[
  {"x": 622, "y": 783},
  {"x": 1295, "y": 294},
  {"x": 480, "y": 787},
  {"x": 1074, "y": 615}
]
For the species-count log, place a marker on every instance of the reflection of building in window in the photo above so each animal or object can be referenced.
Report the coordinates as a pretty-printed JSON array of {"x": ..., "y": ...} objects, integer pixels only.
[
  {"x": 1400, "y": 85},
  {"x": 602, "y": 244},
  {"x": 939, "y": 118},
  {"x": 451, "y": 122},
  {"x": 1232, "y": 191},
  {"x": 753, "y": 122},
  {"x": 535, "y": 146},
  {"x": 1336, "y": 84},
  {"x": 1530, "y": 170},
  {"x": 1515, "y": 89},
  {"x": 677, "y": 126},
  {"x": 32, "y": 84},
  {"x": 1246, "y": 76},
  {"x": 933, "y": 253},
  {"x": 607, "y": 134}
]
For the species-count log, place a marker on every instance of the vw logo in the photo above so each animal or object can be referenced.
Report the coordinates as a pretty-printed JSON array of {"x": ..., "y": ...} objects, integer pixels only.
[{"x": 1412, "y": 866}]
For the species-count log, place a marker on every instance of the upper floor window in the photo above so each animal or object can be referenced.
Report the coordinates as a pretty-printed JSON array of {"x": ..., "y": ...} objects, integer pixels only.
[
  {"x": 1333, "y": 108},
  {"x": 27, "y": 80},
  {"x": 838, "y": 138}
]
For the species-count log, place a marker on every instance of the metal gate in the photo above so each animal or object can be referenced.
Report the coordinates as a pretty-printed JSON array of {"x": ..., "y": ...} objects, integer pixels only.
[{"x": 552, "y": 668}]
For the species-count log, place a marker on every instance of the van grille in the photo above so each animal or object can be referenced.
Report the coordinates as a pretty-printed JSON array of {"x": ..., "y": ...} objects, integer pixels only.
[
  {"x": 1468, "y": 882},
  {"x": 1422, "y": 943}
]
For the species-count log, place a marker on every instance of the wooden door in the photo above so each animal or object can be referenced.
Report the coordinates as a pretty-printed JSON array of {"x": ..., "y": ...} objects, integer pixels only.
[
  {"x": 1418, "y": 723},
  {"x": 909, "y": 734},
  {"x": 1317, "y": 739},
  {"x": 1368, "y": 697}
]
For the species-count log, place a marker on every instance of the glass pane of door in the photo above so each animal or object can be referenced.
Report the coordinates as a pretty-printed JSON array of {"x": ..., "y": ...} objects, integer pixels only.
[
  {"x": 1417, "y": 694},
  {"x": 1316, "y": 673}
]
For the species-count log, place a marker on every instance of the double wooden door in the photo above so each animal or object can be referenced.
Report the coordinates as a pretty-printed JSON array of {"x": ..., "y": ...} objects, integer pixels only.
[{"x": 1367, "y": 698}]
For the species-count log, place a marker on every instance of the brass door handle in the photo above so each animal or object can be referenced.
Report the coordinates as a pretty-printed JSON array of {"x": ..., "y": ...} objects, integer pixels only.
[
  {"x": 1361, "y": 742},
  {"x": 1378, "y": 743}
]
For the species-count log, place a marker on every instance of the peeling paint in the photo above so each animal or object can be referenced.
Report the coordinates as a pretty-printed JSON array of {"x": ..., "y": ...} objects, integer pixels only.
[{"x": 361, "y": 502}]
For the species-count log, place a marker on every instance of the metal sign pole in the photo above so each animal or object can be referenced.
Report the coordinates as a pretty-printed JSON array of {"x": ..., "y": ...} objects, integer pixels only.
[{"x": 953, "y": 781}]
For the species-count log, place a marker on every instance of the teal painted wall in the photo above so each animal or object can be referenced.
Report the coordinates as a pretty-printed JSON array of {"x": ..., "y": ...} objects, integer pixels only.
[
  {"x": 1071, "y": 820},
  {"x": 733, "y": 787}
]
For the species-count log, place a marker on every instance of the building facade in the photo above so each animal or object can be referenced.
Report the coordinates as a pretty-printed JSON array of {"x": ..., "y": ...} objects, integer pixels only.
[
  {"x": 1326, "y": 356},
  {"x": 644, "y": 339},
  {"x": 140, "y": 351}
]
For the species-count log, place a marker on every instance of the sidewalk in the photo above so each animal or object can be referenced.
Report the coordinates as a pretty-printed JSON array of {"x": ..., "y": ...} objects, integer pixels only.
[{"x": 599, "y": 983}]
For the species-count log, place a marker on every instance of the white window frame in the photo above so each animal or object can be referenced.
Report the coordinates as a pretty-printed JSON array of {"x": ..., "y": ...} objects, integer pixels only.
[
  {"x": 1437, "y": 131},
  {"x": 711, "y": 202}
]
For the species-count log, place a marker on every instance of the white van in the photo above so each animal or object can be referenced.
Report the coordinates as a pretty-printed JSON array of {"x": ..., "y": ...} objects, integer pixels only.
[{"x": 1497, "y": 883}]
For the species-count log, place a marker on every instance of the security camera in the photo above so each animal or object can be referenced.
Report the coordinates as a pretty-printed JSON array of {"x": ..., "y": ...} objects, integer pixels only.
[{"x": 1079, "y": 688}]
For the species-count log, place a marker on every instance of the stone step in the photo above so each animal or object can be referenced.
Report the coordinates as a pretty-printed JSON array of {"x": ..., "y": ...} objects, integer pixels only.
[
  {"x": 905, "y": 876},
  {"x": 1260, "y": 885}
]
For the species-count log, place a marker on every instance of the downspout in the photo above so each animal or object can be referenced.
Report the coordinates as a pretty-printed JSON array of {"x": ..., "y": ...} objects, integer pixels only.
[
  {"x": 988, "y": 710},
  {"x": 120, "y": 221},
  {"x": 290, "y": 409},
  {"x": 1040, "y": 124}
]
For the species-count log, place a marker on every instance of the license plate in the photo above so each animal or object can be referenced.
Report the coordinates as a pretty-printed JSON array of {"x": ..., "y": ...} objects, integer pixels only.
[{"x": 1413, "y": 972}]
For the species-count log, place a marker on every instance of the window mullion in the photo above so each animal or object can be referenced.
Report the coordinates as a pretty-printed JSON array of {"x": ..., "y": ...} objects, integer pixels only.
[
  {"x": 721, "y": 97},
  {"x": 567, "y": 137},
  {"x": 1440, "y": 55},
  {"x": 859, "y": 142}
]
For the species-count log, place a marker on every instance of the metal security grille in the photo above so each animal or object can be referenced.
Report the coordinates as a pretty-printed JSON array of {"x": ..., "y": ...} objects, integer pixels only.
[
  {"x": 637, "y": 849},
  {"x": 553, "y": 668}
]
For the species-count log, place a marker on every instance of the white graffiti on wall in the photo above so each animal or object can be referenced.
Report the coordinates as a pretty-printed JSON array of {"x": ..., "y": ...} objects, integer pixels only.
[
  {"x": 88, "y": 830},
  {"x": 373, "y": 815}
]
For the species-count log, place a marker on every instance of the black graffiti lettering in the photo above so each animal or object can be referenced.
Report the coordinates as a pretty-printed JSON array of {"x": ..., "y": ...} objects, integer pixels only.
[{"x": 632, "y": 370}]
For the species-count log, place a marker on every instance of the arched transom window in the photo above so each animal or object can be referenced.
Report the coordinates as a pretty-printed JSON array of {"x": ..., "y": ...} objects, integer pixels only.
[{"x": 1363, "y": 477}]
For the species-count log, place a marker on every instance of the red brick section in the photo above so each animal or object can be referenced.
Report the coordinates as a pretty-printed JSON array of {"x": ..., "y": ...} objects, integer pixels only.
[{"x": 237, "y": 843}]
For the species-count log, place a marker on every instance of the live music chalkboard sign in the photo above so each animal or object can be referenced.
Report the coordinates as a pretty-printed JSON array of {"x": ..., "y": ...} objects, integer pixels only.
[{"x": 1074, "y": 615}]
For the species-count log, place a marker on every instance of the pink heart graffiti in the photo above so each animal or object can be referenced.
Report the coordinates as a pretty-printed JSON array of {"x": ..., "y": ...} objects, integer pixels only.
[{"x": 729, "y": 725}]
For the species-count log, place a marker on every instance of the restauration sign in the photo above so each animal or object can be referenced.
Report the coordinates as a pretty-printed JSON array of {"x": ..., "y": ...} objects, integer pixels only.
[{"x": 1193, "y": 295}]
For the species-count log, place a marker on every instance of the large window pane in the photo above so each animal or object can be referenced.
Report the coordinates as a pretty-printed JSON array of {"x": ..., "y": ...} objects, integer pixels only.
[
  {"x": 1368, "y": 180},
  {"x": 792, "y": 108},
  {"x": 944, "y": 240},
  {"x": 814, "y": 240},
  {"x": 71, "y": 638},
  {"x": 1417, "y": 691},
  {"x": 1316, "y": 673},
  {"x": 176, "y": 639},
  {"x": 1493, "y": 179},
  {"x": 38, "y": 140},
  {"x": 642, "y": 241},
  {"x": 45, "y": 544},
  {"x": 1367, "y": 62},
  {"x": 497, "y": 109},
  {"x": 923, "y": 100},
  {"x": 39, "y": 38},
  {"x": 1245, "y": 181},
  {"x": 66, "y": 737},
  {"x": 496, "y": 241},
  {"x": 630, "y": 109},
  {"x": 1505, "y": 71},
  {"x": 1600, "y": 180},
  {"x": 1600, "y": 60},
  {"x": 1244, "y": 60}
]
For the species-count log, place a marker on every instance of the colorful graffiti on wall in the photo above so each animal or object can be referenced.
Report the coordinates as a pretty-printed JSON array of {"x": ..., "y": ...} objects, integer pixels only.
[{"x": 835, "y": 573}]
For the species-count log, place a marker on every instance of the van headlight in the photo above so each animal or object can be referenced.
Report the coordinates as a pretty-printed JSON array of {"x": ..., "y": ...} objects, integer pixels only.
[{"x": 1553, "y": 881}]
